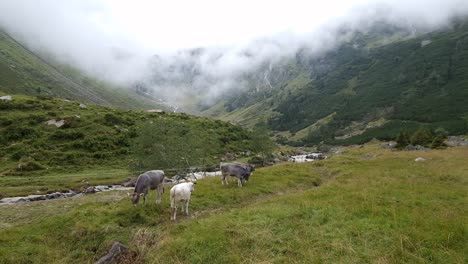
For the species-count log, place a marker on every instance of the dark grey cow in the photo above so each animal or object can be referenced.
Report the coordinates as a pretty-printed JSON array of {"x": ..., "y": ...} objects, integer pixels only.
[
  {"x": 153, "y": 179},
  {"x": 239, "y": 170}
]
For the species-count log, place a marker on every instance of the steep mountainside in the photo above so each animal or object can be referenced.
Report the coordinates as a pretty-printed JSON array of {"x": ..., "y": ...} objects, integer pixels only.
[
  {"x": 24, "y": 72},
  {"x": 370, "y": 86}
]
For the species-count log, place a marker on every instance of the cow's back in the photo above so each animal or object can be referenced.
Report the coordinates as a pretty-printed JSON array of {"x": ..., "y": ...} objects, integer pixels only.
[
  {"x": 234, "y": 169},
  {"x": 149, "y": 179}
]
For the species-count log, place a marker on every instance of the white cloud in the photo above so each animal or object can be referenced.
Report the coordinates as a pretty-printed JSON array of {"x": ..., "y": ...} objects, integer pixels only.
[{"x": 113, "y": 39}]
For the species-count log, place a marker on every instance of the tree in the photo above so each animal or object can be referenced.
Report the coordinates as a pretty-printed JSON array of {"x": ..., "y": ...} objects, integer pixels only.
[
  {"x": 438, "y": 141},
  {"x": 403, "y": 139},
  {"x": 172, "y": 145},
  {"x": 422, "y": 137},
  {"x": 261, "y": 142}
]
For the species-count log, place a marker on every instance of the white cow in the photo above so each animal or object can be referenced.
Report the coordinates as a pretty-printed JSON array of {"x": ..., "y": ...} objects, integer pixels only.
[{"x": 181, "y": 193}]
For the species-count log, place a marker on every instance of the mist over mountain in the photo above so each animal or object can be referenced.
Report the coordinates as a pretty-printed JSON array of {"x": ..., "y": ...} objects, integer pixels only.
[{"x": 145, "y": 43}]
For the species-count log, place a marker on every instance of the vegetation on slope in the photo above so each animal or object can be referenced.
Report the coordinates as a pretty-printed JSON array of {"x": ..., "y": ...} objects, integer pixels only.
[
  {"x": 366, "y": 205},
  {"x": 410, "y": 83},
  {"x": 99, "y": 138},
  {"x": 24, "y": 72}
]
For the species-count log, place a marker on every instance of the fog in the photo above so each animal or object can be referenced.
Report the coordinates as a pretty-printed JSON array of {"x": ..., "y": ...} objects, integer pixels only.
[{"x": 204, "y": 47}]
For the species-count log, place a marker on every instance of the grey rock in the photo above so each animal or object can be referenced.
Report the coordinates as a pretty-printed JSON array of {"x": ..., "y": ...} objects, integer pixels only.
[
  {"x": 130, "y": 182},
  {"x": 6, "y": 98},
  {"x": 117, "y": 250},
  {"x": 34, "y": 198},
  {"x": 13, "y": 200}
]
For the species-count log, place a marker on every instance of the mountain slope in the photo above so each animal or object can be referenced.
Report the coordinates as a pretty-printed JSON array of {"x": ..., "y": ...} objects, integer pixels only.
[
  {"x": 47, "y": 136},
  {"x": 371, "y": 88},
  {"x": 24, "y": 72}
]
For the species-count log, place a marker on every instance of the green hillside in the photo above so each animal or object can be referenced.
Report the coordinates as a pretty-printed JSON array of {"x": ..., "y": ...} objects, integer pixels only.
[
  {"x": 24, "y": 72},
  {"x": 97, "y": 138},
  {"x": 368, "y": 205},
  {"x": 371, "y": 89}
]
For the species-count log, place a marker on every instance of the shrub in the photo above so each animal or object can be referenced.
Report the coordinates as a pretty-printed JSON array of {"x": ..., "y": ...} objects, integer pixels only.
[
  {"x": 67, "y": 135},
  {"x": 13, "y": 133},
  {"x": 403, "y": 140},
  {"x": 30, "y": 166},
  {"x": 422, "y": 137},
  {"x": 438, "y": 141},
  {"x": 5, "y": 121},
  {"x": 71, "y": 122}
]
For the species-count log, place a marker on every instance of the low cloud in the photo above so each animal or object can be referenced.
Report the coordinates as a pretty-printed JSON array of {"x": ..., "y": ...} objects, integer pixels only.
[{"x": 100, "y": 38}]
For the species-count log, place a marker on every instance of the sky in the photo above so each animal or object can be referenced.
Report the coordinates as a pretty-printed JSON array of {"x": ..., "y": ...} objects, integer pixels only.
[{"x": 114, "y": 39}]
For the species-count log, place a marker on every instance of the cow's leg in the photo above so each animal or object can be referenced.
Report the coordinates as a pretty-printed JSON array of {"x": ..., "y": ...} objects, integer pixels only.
[
  {"x": 186, "y": 206},
  {"x": 222, "y": 179},
  {"x": 173, "y": 213},
  {"x": 144, "y": 196},
  {"x": 158, "y": 194},
  {"x": 239, "y": 182}
]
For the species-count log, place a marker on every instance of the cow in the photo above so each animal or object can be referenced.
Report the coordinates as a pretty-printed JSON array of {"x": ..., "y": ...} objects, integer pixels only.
[
  {"x": 153, "y": 179},
  {"x": 181, "y": 193},
  {"x": 239, "y": 170}
]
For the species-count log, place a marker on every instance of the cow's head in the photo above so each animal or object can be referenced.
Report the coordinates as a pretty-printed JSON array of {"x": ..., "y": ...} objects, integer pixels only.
[{"x": 135, "y": 197}]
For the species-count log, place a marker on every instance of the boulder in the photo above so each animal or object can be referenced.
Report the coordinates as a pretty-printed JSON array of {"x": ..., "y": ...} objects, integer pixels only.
[
  {"x": 90, "y": 189},
  {"x": 57, "y": 123},
  {"x": 419, "y": 159},
  {"x": 130, "y": 182},
  {"x": 83, "y": 106},
  {"x": 116, "y": 251},
  {"x": 33, "y": 198},
  {"x": 54, "y": 195},
  {"x": 6, "y": 98},
  {"x": 13, "y": 200}
]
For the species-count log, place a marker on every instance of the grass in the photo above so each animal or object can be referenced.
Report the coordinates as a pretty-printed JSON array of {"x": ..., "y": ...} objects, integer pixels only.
[
  {"x": 24, "y": 72},
  {"x": 34, "y": 184},
  {"x": 367, "y": 205},
  {"x": 95, "y": 140}
]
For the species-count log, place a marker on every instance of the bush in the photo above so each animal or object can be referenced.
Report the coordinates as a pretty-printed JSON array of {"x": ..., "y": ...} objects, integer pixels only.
[
  {"x": 438, "y": 142},
  {"x": 67, "y": 135},
  {"x": 403, "y": 140},
  {"x": 422, "y": 137},
  {"x": 5, "y": 121},
  {"x": 30, "y": 166},
  {"x": 71, "y": 122},
  {"x": 13, "y": 133}
]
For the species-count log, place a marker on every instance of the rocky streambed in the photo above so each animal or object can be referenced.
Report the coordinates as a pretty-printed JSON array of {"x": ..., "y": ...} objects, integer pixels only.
[{"x": 59, "y": 195}]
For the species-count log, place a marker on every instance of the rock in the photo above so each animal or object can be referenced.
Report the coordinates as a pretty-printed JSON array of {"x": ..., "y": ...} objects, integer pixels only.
[
  {"x": 6, "y": 98},
  {"x": 54, "y": 122},
  {"x": 116, "y": 251},
  {"x": 419, "y": 159},
  {"x": 54, "y": 195},
  {"x": 130, "y": 182},
  {"x": 13, "y": 200},
  {"x": 454, "y": 141},
  {"x": 34, "y": 198},
  {"x": 83, "y": 106},
  {"x": 425, "y": 42},
  {"x": 69, "y": 194},
  {"x": 90, "y": 190},
  {"x": 101, "y": 188},
  {"x": 414, "y": 148}
]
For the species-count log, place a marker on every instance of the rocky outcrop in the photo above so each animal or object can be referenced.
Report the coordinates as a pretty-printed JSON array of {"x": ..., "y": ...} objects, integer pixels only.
[
  {"x": 58, "y": 195},
  {"x": 6, "y": 98},
  {"x": 116, "y": 251}
]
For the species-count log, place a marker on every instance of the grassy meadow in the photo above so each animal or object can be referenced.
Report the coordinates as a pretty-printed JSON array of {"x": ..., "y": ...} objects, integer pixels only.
[{"x": 367, "y": 205}]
